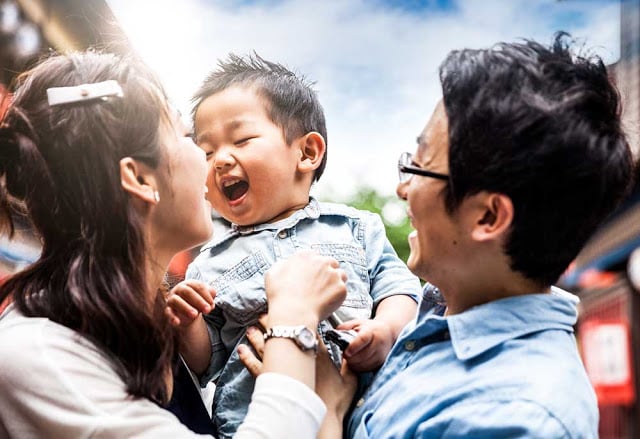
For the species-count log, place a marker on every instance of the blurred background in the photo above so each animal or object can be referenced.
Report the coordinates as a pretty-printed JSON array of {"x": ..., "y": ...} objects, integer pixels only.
[{"x": 375, "y": 64}]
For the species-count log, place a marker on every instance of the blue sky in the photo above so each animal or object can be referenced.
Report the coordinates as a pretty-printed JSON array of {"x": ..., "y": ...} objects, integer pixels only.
[{"x": 374, "y": 61}]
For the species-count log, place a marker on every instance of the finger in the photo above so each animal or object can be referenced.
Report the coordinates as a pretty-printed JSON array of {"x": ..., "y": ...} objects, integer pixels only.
[
  {"x": 334, "y": 263},
  {"x": 350, "y": 324},
  {"x": 206, "y": 292},
  {"x": 250, "y": 361},
  {"x": 212, "y": 295},
  {"x": 364, "y": 361},
  {"x": 362, "y": 340},
  {"x": 180, "y": 307},
  {"x": 255, "y": 337},
  {"x": 195, "y": 298},
  {"x": 174, "y": 320},
  {"x": 361, "y": 362}
]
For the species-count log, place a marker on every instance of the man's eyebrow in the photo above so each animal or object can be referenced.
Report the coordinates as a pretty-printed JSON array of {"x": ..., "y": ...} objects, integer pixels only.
[{"x": 419, "y": 139}]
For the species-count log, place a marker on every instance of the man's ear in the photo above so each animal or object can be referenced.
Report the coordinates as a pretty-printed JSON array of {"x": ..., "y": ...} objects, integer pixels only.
[
  {"x": 494, "y": 218},
  {"x": 312, "y": 150},
  {"x": 138, "y": 181}
]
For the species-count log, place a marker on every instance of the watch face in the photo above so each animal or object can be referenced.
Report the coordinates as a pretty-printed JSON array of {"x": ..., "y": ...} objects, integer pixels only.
[{"x": 307, "y": 338}]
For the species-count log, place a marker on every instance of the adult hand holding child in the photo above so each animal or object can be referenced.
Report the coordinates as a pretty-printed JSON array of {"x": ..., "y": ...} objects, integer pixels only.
[{"x": 290, "y": 304}]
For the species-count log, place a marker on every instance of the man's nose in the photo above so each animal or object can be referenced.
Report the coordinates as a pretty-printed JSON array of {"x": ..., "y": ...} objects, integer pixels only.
[{"x": 401, "y": 190}]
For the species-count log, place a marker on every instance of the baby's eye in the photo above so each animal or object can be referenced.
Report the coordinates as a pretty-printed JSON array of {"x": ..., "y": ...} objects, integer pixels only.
[
  {"x": 207, "y": 150},
  {"x": 243, "y": 140}
]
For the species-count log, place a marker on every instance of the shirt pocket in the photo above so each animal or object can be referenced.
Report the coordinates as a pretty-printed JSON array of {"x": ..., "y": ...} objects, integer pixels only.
[
  {"x": 352, "y": 259},
  {"x": 240, "y": 290}
]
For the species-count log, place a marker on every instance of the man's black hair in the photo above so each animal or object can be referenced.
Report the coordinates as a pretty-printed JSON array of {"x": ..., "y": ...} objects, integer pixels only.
[{"x": 542, "y": 126}]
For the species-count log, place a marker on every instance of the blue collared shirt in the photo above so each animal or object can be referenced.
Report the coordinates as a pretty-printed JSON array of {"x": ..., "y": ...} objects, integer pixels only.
[
  {"x": 508, "y": 368},
  {"x": 235, "y": 262}
]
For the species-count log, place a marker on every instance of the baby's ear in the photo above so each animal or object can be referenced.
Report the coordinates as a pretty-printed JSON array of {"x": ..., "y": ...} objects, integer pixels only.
[{"x": 312, "y": 150}]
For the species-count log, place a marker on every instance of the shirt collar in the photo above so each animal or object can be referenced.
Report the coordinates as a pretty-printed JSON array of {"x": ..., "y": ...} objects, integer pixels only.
[
  {"x": 483, "y": 327},
  {"x": 310, "y": 211}
]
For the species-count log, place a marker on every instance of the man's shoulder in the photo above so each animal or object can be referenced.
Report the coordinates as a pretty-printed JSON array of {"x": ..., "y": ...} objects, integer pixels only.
[{"x": 544, "y": 372}]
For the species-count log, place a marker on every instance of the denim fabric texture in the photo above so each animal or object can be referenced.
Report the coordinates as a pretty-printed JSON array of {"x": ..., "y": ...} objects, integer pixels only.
[
  {"x": 235, "y": 262},
  {"x": 508, "y": 368}
]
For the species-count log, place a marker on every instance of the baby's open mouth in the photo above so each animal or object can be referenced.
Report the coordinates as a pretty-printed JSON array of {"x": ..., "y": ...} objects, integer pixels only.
[{"x": 235, "y": 189}]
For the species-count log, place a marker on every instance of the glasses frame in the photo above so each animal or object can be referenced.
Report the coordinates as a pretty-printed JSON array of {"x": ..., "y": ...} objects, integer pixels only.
[{"x": 405, "y": 172}]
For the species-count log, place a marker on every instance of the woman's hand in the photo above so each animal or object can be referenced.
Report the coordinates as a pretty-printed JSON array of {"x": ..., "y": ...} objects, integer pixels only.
[
  {"x": 336, "y": 388},
  {"x": 304, "y": 289}
]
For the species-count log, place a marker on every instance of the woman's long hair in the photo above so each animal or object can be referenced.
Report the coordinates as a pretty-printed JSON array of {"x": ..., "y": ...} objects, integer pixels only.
[{"x": 59, "y": 165}]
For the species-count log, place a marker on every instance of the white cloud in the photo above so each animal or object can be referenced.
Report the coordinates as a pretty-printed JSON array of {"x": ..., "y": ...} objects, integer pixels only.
[{"x": 376, "y": 68}]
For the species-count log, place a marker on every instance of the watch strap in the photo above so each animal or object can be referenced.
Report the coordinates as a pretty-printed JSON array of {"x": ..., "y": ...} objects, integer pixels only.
[{"x": 301, "y": 335}]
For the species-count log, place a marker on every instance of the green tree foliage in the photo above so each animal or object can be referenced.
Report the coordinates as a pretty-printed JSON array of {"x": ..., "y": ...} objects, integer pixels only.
[{"x": 387, "y": 207}]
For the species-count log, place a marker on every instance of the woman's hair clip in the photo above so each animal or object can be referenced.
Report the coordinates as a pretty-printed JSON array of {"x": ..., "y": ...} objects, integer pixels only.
[{"x": 83, "y": 93}]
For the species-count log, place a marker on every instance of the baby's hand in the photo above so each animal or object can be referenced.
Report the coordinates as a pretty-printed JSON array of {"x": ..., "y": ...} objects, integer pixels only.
[
  {"x": 187, "y": 300},
  {"x": 369, "y": 349}
]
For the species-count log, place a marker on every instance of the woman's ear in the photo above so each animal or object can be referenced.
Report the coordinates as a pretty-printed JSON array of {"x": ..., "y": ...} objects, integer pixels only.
[
  {"x": 494, "y": 218},
  {"x": 138, "y": 180},
  {"x": 312, "y": 150}
]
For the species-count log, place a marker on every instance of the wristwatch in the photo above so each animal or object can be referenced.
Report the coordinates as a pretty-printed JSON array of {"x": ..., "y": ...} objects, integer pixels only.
[{"x": 301, "y": 335}]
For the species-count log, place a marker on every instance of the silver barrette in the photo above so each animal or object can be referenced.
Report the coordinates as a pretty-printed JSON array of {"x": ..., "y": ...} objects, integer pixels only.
[{"x": 84, "y": 92}]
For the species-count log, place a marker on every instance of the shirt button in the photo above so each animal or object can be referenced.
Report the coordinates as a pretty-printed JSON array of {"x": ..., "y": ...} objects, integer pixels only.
[
  {"x": 282, "y": 234},
  {"x": 360, "y": 402},
  {"x": 410, "y": 345}
]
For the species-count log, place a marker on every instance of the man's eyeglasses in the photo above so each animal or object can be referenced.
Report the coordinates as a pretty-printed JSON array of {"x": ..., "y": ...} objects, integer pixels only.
[{"x": 406, "y": 170}]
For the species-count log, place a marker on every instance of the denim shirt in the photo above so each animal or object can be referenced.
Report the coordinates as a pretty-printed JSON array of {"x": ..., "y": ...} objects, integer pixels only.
[
  {"x": 508, "y": 368},
  {"x": 235, "y": 262}
]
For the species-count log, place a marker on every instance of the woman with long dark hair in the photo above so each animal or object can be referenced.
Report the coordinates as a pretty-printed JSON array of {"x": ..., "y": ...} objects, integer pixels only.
[{"x": 95, "y": 157}]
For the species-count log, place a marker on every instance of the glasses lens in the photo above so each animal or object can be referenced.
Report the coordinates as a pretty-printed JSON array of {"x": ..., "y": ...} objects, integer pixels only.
[{"x": 404, "y": 160}]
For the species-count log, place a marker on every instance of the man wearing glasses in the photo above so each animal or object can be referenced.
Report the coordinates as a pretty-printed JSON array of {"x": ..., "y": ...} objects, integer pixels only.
[{"x": 519, "y": 163}]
